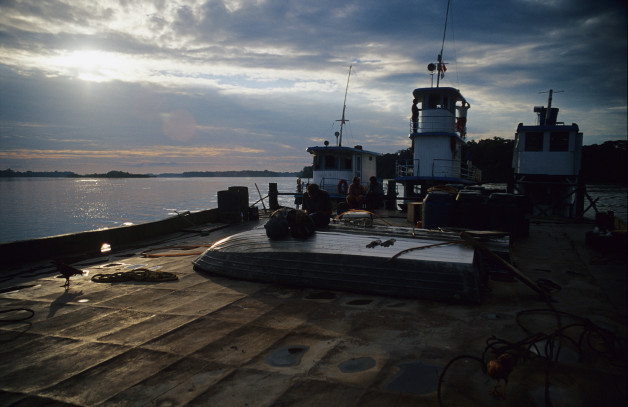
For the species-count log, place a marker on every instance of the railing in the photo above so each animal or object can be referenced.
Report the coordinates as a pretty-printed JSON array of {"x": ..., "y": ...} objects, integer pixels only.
[
  {"x": 440, "y": 168},
  {"x": 451, "y": 168},
  {"x": 331, "y": 184},
  {"x": 471, "y": 173},
  {"x": 439, "y": 120},
  {"x": 405, "y": 168}
]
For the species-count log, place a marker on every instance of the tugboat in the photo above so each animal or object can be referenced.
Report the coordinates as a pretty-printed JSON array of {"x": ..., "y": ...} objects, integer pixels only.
[
  {"x": 334, "y": 167},
  {"x": 546, "y": 165},
  {"x": 437, "y": 132}
]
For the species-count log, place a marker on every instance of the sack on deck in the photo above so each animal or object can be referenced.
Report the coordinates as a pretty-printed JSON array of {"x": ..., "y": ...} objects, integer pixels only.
[
  {"x": 301, "y": 225},
  {"x": 285, "y": 222},
  {"x": 277, "y": 225}
]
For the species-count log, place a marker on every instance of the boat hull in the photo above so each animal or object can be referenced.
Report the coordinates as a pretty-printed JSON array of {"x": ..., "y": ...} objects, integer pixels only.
[{"x": 343, "y": 261}]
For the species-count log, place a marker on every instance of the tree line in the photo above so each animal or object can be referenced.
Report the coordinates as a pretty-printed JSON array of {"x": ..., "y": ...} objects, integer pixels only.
[
  {"x": 601, "y": 164},
  {"x": 9, "y": 173}
]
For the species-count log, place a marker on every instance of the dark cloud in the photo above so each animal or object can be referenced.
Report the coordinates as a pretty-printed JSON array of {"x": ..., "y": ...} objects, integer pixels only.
[{"x": 271, "y": 74}]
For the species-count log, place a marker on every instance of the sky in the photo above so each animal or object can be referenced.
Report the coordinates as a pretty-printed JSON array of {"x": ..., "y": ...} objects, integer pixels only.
[{"x": 156, "y": 86}]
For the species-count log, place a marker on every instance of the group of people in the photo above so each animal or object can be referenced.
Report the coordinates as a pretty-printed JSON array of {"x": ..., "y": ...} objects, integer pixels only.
[
  {"x": 317, "y": 202},
  {"x": 371, "y": 197}
]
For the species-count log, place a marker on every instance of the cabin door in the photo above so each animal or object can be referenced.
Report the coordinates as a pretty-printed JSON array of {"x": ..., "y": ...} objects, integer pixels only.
[{"x": 358, "y": 166}]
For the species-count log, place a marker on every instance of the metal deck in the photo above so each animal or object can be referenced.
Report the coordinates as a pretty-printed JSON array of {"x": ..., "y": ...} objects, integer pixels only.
[{"x": 208, "y": 340}]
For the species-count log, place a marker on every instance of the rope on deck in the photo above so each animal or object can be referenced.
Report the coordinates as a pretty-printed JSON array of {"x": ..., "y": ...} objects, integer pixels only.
[
  {"x": 139, "y": 274},
  {"x": 185, "y": 247}
]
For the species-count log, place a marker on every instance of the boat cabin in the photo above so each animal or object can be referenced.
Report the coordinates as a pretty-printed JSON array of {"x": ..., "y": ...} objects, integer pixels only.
[
  {"x": 551, "y": 148},
  {"x": 546, "y": 164},
  {"x": 334, "y": 167}
]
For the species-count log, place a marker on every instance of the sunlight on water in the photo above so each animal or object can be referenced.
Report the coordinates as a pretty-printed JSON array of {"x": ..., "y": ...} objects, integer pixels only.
[{"x": 39, "y": 207}]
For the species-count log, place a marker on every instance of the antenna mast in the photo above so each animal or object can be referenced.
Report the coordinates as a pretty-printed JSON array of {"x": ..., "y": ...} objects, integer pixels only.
[
  {"x": 344, "y": 106},
  {"x": 441, "y": 65}
]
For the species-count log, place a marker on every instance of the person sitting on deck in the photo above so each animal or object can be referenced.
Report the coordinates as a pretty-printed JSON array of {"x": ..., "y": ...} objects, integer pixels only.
[
  {"x": 374, "y": 196},
  {"x": 355, "y": 197},
  {"x": 317, "y": 204}
]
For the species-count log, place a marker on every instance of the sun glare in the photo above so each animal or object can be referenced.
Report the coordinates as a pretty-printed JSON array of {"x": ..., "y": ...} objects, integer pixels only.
[{"x": 91, "y": 65}]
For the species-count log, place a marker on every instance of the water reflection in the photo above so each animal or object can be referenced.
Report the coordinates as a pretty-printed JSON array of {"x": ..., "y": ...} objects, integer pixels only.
[{"x": 38, "y": 207}]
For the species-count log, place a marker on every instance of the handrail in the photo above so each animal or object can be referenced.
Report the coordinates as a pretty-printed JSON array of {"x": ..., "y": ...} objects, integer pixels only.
[
  {"x": 405, "y": 168},
  {"x": 440, "y": 167},
  {"x": 434, "y": 120}
]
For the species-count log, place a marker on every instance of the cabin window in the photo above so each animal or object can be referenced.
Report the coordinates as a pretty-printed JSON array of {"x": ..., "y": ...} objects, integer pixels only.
[
  {"x": 534, "y": 141},
  {"x": 347, "y": 164},
  {"x": 559, "y": 141},
  {"x": 330, "y": 162},
  {"x": 446, "y": 103},
  {"x": 433, "y": 101},
  {"x": 317, "y": 162}
]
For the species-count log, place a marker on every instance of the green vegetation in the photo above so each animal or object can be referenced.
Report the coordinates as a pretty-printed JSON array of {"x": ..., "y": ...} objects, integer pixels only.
[
  {"x": 386, "y": 163},
  {"x": 9, "y": 173},
  {"x": 601, "y": 164},
  {"x": 120, "y": 174},
  {"x": 307, "y": 172},
  {"x": 605, "y": 163},
  {"x": 492, "y": 156},
  {"x": 243, "y": 173},
  {"x": 112, "y": 174}
]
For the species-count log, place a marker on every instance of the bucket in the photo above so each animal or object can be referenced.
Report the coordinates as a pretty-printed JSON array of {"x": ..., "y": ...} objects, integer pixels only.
[
  {"x": 243, "y": 199},
  {"x": 438, "y": 210},
  {"x": 229, "y": 206}
]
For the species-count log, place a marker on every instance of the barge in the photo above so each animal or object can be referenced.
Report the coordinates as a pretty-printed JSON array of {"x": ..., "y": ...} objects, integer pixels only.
[{"x": 204, "y": 339}]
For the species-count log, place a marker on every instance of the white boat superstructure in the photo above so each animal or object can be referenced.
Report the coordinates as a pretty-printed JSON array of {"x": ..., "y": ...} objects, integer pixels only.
[
  {"x": 438, "y": 128},
  {"x": 546, "y": 164}
]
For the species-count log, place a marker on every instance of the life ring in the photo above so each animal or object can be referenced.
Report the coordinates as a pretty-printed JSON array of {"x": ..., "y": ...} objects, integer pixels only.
[{"x": 343, "y": 187}]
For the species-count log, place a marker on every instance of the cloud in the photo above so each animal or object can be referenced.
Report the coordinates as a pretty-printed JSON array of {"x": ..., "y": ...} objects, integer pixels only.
[
  {"x": 270, "y": 75},
  {"x": 152, "y": 152}
]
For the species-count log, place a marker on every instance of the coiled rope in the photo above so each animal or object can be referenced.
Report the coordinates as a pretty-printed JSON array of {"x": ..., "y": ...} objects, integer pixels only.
[{"x": 140, "y": 274}]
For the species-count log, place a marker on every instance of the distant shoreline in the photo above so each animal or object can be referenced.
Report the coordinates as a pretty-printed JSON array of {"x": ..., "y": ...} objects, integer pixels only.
[{"x": 8, "y": 173}]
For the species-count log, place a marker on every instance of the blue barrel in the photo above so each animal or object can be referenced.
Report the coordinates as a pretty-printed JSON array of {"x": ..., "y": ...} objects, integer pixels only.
[
  {"x": 243, "y": 199},
  {"x": 229, "y": 206},
  {"x": 438, "y": 210},
  {"x": 469, "y": 211}
]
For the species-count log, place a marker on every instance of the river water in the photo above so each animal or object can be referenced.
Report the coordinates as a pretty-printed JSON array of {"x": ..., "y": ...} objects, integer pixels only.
[{"x": 39, "y": 207}]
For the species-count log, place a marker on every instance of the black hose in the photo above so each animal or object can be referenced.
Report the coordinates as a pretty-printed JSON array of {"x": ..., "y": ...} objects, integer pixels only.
[{"x": 2, "y": 320}]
